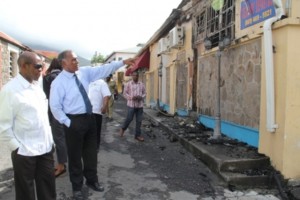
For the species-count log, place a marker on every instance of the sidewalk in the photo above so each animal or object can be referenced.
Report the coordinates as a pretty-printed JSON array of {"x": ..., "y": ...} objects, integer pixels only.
[
  {"x": 6, "y": 172},
  {"x": 238, "y": 164}
]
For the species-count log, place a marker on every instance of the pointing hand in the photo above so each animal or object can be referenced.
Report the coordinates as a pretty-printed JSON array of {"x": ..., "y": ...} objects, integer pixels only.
[{"x": 129, "y": 61}]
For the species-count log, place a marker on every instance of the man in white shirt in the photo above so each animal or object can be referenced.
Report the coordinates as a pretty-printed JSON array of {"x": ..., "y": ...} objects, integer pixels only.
[
  {"x": 99, "y": 95},
  {"x": 24, "y": 126}
]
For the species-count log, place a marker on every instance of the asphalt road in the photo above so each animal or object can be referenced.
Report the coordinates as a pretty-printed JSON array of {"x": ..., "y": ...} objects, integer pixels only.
[{"x": 156, "y": 169}]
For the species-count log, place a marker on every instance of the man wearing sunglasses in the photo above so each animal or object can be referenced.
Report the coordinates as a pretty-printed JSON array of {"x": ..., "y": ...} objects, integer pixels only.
[{"x": 24, "y": 126}]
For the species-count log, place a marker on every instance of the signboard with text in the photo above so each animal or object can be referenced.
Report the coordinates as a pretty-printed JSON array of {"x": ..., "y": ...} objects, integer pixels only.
[{"x": 255, "y": 11}]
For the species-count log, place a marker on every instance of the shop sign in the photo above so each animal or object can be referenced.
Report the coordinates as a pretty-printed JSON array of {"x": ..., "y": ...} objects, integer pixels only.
[{"x": 256, "y": 11}]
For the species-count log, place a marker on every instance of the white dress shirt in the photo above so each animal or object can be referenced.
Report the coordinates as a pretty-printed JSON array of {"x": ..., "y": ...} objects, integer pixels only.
[
  {"x": 97, "y": 91},
  {"x": 24, "y": 120}
]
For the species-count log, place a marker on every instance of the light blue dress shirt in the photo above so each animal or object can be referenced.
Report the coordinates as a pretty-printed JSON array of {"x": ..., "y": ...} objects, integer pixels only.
[{"x": 65, "y": 97}]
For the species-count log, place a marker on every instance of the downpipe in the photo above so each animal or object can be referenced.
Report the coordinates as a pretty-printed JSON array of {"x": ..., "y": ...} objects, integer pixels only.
[{"x": 268, "y": 42}]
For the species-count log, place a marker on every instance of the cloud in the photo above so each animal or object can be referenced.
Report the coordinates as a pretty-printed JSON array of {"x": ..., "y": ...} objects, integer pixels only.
[{"x": 85, "y": 26}]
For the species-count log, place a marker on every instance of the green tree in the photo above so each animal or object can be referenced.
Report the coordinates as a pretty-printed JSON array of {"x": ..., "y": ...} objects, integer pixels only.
[{"x": 97, "y": 58}]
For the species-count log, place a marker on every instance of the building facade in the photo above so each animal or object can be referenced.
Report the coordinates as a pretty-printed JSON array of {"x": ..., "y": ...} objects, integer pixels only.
[
  {"x": 9, "y": 53},
  {"x": 259, "y": 101},
  {"x": 237, "y": 60}
]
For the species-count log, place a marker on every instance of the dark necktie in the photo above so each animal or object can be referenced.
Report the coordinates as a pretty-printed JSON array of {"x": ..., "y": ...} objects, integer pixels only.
[{"x": 85, "y": 97}]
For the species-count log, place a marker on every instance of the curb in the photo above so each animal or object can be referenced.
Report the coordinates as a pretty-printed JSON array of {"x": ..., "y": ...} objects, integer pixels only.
[{"x": 225, "y": 168}]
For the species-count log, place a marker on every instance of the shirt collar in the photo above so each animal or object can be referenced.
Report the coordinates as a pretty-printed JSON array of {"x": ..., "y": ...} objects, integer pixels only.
[
  {"x": 135, "y": 82},
  {"x": 68, "y": 74},
  {"x": 24, "y": 82}
]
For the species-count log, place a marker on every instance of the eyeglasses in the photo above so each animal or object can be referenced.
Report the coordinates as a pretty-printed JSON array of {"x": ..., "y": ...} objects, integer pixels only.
[{"x": 38, "y": 66}]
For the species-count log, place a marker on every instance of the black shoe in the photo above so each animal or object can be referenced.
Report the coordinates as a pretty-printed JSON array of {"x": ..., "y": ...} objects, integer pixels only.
[
  {"x": 95, "y": 186},
  {"x": 77, "y": 195}
]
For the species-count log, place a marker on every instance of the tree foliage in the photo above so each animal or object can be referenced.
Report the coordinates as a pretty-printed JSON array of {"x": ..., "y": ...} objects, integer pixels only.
[{"x": 97, "y": 58}]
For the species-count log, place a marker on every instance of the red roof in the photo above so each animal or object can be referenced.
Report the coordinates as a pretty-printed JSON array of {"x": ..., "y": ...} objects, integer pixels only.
[
  {"x": 48, "y": 54},
  {"x": 141, "y": 62}
]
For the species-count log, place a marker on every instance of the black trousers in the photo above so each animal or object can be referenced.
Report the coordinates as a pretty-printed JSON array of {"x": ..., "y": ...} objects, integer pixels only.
[
  {"x": 81, "y": 140},
  {"x": 30, "y": 171},
  {"x": 60, "y": 141},
  {"x": 98, "y": 119}
]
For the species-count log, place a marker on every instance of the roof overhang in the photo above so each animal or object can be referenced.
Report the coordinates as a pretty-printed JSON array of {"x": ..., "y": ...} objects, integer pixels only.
[{"x": 143, "y": 61}]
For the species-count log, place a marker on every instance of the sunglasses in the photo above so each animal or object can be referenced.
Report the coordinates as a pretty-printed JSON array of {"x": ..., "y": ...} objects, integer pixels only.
[{"x": 38, "y": 66}]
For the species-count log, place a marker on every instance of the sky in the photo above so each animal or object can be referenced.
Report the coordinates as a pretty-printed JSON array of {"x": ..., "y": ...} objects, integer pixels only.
[{"x": 85, "y": 26}]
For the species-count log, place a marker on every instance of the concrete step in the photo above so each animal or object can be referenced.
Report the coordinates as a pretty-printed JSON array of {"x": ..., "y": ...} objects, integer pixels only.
[
  {"x": 235, "y": 171},
  {"x": 242, "y": 180},
  {"x": 240, "y": 165}
]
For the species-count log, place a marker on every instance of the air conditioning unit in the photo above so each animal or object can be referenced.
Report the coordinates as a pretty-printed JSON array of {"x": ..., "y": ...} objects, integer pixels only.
[
  {"x": 176, "y": 37},
  {"x": 163, "y": 45}
]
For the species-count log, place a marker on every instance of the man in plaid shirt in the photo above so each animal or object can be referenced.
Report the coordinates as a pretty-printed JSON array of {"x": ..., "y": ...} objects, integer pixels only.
[{"x": 134, "y": 92}]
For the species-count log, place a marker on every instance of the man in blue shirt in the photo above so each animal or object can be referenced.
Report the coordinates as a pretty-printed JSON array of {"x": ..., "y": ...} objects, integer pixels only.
[{"x": 68, "y": 105}]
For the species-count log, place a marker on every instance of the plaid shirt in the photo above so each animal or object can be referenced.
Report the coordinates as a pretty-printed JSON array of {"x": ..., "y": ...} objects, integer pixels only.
[{"x": 132, "y": 89}]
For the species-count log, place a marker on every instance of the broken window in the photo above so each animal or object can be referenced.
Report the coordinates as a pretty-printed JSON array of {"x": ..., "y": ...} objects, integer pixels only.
[
  {"x": 200, "y": 23},
  {"x": 214, "y": 24}
]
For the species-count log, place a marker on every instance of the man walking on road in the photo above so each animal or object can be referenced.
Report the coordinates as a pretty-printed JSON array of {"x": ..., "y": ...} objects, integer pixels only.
[
  {"x": 71, "y": 106},
  {"x": 24, "y": 126},
  {"x": 134, "y": 92}
]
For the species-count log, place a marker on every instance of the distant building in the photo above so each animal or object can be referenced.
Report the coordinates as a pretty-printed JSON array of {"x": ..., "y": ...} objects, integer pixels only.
[{"x": 119, "y": 75}]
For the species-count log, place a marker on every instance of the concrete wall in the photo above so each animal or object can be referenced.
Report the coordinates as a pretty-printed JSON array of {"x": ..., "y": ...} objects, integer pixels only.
[
  {"x": 4, "y": 63},
  {"x": 283, "y": 146},
  {"x": 183, "y": 68},
  {"x": 240, "y": 79},
  {"x": 152, "y": 77}
]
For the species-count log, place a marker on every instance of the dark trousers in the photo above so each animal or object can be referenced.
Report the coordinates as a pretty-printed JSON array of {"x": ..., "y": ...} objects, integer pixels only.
[
  {"x": 81, "y": 140},
  {"x": 98, "y": 119},
  {"x": 59, "y": 140},
  {"x": 138, "y": 112},
  {"x": 30, "y": 171}
]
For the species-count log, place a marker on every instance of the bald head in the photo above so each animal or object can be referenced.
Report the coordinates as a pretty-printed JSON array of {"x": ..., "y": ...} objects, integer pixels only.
[
  {"x": 26, "y": 57},
  {"x": 30, "y": 65}
]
